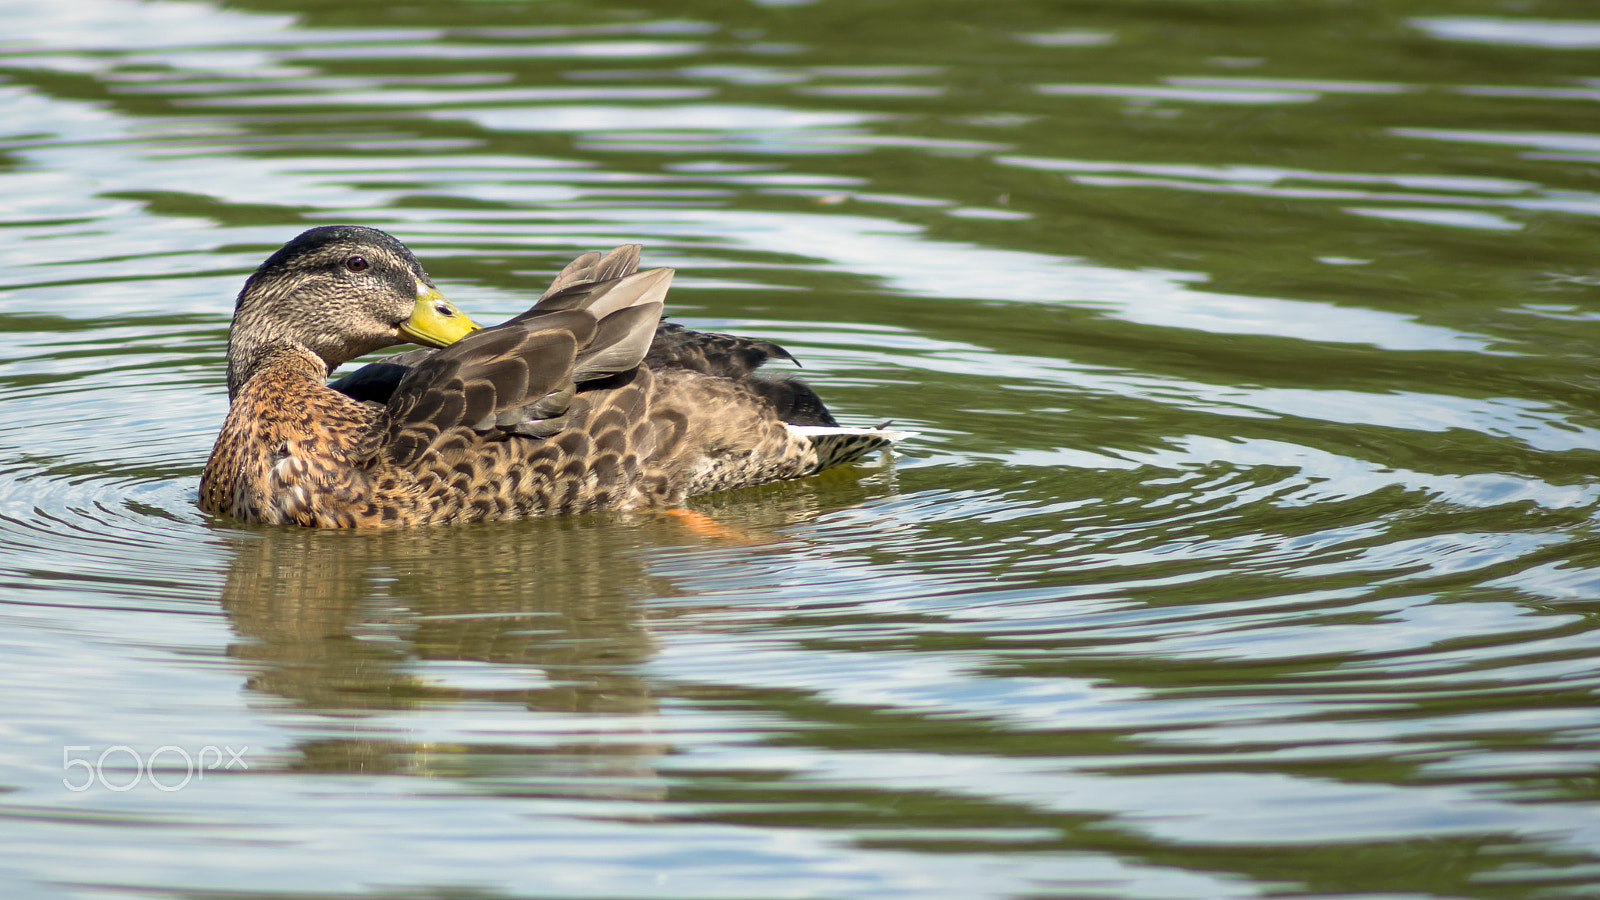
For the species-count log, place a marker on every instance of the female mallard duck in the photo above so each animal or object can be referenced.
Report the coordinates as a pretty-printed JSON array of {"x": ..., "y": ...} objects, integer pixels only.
[{"x": 586, "y": 401}]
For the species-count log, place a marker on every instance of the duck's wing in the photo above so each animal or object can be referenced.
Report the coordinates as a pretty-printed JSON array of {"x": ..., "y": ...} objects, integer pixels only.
[
  {"x": 582, "y": 284},
  {"x": 672, "y": 346},
  {"x": 731, "y": 356},
  {"x": 517, "y": 378},
  {"x": 595, "y": 266},
  {"x": 587, "y": 283},
  {"x": 727, "y": 355}
]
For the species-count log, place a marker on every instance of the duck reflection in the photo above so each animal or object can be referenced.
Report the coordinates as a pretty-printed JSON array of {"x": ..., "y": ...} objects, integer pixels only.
[
  {"x": 373, "y": 633},
  {"x": 421, "y": 651}
]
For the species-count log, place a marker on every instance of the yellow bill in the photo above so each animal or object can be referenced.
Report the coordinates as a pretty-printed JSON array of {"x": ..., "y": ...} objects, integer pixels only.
[{"x": 435, "y": 321}]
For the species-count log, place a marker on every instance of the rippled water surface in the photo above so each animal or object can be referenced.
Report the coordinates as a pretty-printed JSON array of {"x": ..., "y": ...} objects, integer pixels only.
[{"x": 1247, "y": 548}]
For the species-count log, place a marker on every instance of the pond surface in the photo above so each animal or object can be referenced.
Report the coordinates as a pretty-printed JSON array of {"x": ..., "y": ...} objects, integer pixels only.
[{"x": 1247, "y": 548}]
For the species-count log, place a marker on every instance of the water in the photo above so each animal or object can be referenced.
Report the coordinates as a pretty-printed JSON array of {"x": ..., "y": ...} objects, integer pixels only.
[{"x": 1247, "y": 548}]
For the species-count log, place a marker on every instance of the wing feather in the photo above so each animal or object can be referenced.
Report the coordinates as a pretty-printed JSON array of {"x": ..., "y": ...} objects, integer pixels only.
[
  {"x": 710, "y": 353},
  {"x": 473, "y": 381},
  {"x": 592, "y": 267}
]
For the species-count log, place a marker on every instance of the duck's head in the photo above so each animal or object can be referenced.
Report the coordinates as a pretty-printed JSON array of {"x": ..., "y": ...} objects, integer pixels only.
[{"x": 335, "y": 293}]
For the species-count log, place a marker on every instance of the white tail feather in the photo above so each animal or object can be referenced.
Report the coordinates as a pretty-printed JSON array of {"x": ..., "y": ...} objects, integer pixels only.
[{"x": 836, "y": 446}]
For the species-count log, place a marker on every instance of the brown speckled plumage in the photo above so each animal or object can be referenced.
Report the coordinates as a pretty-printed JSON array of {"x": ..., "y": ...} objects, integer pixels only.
[{"x": 586, "y": 401}]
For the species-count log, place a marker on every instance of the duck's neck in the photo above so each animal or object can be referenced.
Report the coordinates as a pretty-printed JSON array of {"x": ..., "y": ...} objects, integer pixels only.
[{"x": 246, "y": 359}]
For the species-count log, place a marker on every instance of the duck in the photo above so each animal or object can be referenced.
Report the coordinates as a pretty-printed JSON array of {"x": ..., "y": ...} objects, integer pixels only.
[{"x": 589, "y": 400}]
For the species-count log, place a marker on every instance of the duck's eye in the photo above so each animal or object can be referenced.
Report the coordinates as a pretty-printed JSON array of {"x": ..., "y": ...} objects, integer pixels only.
[{"x": 357, "y": 264}]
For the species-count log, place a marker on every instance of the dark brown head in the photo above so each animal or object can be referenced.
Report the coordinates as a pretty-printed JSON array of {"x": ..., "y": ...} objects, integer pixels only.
[{"x": 335, "y": 293}]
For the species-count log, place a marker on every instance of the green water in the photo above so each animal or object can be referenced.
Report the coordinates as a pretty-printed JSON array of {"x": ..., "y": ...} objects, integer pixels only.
[{"x": 1245, "y": 549}]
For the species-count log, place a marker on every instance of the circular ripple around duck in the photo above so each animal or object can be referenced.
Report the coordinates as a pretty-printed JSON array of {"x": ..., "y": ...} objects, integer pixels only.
[{"x": 97, "y": 504}]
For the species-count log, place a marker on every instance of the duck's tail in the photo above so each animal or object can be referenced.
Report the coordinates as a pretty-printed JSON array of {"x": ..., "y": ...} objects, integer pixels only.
[{"x": 838, "y": 445}]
